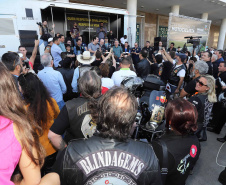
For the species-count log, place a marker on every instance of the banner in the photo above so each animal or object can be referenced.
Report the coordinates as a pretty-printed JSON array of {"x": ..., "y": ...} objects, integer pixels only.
[
  {"x": 83, "y": 22},
  {"x": 163, "y": 31},
  {"x": 138, "y": 33},
  {"x": 183, "y": 26}
]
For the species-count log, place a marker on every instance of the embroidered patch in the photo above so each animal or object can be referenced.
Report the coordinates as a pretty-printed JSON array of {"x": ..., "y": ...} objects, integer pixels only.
[{"x": 193, "y": 151}]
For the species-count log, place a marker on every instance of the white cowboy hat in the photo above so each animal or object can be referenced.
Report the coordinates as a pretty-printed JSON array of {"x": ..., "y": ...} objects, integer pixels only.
[
  {"x": 86, "y": 58},
  {"x": 50, "y": 39}
]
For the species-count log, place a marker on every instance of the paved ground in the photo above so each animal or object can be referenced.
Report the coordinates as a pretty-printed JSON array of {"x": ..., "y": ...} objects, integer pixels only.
[{"x": 206, "y": 171}]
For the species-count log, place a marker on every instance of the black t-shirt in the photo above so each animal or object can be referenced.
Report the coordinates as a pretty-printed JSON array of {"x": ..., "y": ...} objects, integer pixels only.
[
  {"x": 183, "y": 152},
  {"x": 190, "y": 87},
  {"x": 97, "y": 62}
]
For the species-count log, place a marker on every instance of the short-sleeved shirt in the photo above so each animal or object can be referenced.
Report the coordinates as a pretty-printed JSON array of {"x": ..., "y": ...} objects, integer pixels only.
[
  {"x": 123, "y": 40},
  {"x": 56, "y": 53},
  {"x": 75, "y": 31},
  {"x": 62, "y": 47},
  {"x": 117, "y": 51},
  {"x": 134, "y": 56},
  {"x": 101, "y": 34},
  {"x": 120, "y": 75},
  {"x": 182, "y": 72},
  {"x": 107, "y": 82},
  {"x": 93, "y": 47}
]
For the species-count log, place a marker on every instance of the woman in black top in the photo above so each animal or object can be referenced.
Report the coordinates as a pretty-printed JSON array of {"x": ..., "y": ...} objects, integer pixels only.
[
  {"x": 182, "y": 145},
  {"x": 203, "y": 101}
]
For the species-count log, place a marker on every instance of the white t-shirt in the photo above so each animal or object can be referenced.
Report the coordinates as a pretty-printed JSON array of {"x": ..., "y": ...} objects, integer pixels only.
[
  {"x": 123, "y": 40},
  {"x": 120, "y": 75},
  {"x": 107, "y": 82}
]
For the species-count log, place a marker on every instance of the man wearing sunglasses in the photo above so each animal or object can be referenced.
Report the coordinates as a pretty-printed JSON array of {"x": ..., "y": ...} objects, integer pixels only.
[{"x": 199, "y": 68}]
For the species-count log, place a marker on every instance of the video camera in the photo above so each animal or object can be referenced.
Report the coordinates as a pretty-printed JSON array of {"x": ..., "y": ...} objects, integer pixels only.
[
  {"x": 193, "y": 40},
  {"x": 39, "y": 23}
]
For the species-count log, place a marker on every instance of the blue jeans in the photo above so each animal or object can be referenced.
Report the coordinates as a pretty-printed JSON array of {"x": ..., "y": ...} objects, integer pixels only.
[
  {"x": 61, "y": 104},
  {"x": 45, "y": 42}
]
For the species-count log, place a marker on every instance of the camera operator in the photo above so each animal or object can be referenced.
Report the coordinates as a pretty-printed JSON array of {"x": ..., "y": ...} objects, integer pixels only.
[
  {"x": 44, "y": 32},
  {"x": 110, "y": 155}
]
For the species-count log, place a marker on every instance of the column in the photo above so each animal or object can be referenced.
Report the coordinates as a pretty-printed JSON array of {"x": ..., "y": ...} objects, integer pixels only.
[
  {"x": 204, "y": 16},
  {"x": 222, "y": 33},
  {"x": 175, "y": 9},
  {"x": 132, "y": 20}
]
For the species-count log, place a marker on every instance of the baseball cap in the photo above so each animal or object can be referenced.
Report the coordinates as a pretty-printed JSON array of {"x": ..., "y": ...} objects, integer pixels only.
[{"x": 182, "y": 56}]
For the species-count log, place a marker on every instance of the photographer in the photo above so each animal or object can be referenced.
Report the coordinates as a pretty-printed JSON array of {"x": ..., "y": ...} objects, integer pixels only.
[
  {"x": 44, "y": 32},
  {"x": 101, "y": 31}
]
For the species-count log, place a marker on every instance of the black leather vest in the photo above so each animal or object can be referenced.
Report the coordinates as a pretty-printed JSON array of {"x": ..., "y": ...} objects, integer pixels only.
[
  {"x": 101, "y": 160},
  {"x": 174, "y": 79}
]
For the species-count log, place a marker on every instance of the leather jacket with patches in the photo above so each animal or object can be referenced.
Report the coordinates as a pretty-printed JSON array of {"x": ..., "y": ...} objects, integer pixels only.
[{"x": 98, "y": 160}]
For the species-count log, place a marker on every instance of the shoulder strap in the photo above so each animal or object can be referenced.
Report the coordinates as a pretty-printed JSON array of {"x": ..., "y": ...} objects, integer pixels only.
[{"x": 164, "y": 169}]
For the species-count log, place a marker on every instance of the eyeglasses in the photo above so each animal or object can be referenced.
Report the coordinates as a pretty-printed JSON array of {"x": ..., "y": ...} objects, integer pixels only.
[{"x": 200, "y": 83}]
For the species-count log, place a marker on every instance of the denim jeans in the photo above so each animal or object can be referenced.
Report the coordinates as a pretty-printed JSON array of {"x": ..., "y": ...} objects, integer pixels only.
[
  {"x": 45, "y": 42},
  {"x": 61, "y": 104}
]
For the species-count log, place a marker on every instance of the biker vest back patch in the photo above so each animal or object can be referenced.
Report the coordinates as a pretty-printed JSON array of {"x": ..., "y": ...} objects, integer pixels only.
[{"x": 115, "y": 164}]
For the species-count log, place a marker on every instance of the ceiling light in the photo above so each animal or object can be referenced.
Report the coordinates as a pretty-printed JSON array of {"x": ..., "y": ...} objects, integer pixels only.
[
  {"x": 212, "y": 1},
  {"x": 142, "y": 6},
  {"x": 157, "y": 9},
  {"x": 124, "y": 3}
]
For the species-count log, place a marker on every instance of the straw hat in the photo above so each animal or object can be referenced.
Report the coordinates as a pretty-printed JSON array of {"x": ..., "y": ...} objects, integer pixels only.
[{"x": 85, "y": 58}]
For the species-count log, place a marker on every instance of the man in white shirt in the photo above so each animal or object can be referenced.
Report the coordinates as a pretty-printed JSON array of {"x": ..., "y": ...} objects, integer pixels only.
[
  {"x": 123, "y": 39},
  {"x": 175, "y": 83},
  {"x": 123, "y": 73}
]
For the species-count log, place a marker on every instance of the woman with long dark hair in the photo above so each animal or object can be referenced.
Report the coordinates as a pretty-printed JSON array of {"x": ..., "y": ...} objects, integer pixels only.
[
  {"x": 19, "y": 142},
  {"x": 43, "y": 108},
  {"x": 182, "y": 146}
]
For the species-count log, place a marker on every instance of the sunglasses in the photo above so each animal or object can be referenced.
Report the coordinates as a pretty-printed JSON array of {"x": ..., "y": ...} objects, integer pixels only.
[{"x": 200, "y": 83}]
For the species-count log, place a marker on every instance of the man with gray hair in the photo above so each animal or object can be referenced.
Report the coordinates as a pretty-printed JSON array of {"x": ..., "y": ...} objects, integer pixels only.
[
  {"x": 199, "y": 68},
  {"x": 53, "y": 80}
]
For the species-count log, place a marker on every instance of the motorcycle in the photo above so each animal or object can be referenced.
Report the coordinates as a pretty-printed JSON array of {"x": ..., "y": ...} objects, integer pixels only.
[{"x": 151, "y": 97}]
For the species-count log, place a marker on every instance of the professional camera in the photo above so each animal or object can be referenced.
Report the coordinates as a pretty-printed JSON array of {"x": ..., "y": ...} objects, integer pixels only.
[
  {"x": 39, "y": 23},
  {"x": 193, "y": 40}
]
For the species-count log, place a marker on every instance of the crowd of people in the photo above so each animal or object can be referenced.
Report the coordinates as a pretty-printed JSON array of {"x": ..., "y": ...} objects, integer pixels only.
[{"x": 71, "y": 123}]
